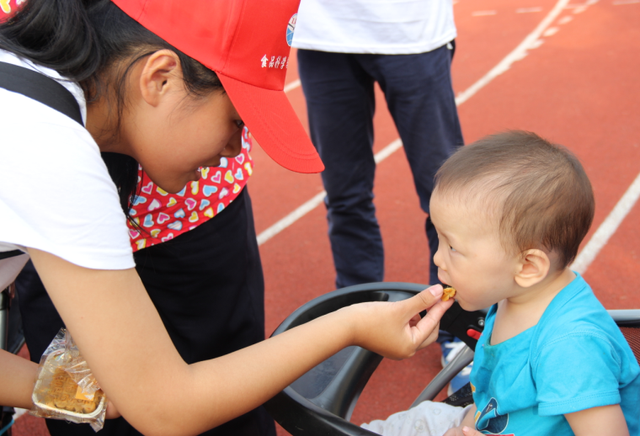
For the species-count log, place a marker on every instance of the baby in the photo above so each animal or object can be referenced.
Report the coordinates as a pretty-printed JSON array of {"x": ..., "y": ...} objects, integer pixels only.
[{"x": 511, "y": 211}]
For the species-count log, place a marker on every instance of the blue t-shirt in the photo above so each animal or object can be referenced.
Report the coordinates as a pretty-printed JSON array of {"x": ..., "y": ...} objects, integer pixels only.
[{"x": 574, "y": 359}]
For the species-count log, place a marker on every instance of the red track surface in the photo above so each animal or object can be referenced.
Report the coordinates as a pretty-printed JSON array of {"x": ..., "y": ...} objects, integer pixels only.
[{"x": 578, "y": 88}]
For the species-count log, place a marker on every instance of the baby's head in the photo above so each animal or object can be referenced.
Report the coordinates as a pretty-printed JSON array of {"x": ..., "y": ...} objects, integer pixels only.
[{"x": 524, "y": 191}]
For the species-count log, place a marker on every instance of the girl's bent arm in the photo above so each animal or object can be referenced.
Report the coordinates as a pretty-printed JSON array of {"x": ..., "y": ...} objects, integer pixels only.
[{"x": 121, "y": 335}]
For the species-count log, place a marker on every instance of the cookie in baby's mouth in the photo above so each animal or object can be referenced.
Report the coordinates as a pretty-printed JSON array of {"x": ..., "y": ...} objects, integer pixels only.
[{"x": 448, "y": 293}]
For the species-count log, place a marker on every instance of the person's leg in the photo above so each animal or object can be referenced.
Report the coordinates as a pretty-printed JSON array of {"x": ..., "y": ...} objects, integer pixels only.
[
  {"x": 340, "y": 104},
  {"x": 420, "y": 98}
]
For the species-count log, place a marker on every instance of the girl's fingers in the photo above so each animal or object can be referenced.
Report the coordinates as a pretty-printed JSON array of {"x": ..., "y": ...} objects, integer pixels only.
[
  {"x": 434, "y": 314},
  {"x": 426, "y": 330},
  {"x": 423, "y": 301},
  {"x": 397, "y": 331}
]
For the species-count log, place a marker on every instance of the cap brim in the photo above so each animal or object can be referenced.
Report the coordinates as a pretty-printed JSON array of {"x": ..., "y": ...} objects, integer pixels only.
[{"x": 274, "y": 124}]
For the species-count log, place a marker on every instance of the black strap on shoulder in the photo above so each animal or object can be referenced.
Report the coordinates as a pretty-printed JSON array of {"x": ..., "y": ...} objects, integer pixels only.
[
  {"x": 40, "y": 88},
  {"x": 12, "y": 253}
]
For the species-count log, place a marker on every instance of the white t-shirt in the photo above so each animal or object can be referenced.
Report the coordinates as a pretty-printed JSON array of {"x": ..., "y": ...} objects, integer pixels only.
[
  {"x": 55, "y": 191},
  {"x": 374, "y": 26}
]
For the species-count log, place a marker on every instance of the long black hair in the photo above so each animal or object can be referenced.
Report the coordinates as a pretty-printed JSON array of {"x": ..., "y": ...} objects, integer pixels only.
[{"x": 94, "y": 43}]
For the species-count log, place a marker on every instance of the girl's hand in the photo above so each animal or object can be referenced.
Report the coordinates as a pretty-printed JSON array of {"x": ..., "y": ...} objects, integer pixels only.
[{"x": 396, "y": 330}]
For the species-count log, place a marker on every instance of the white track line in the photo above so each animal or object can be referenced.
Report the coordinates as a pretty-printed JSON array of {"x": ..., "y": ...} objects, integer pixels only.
[
  {"x": 607, "y": 228},
  {"x": 518, "y": 53},
  {"x": 291, "y": 218},
  {"x": 316, "y": 200},
  {"x": 292, "y": 85},
  {"x": 528, "y": 10},
  {"x": 483, "y": 13}
]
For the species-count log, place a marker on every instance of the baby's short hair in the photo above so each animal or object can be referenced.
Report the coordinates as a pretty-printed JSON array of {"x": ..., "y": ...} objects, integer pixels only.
[{"x": 542, "y": 194}]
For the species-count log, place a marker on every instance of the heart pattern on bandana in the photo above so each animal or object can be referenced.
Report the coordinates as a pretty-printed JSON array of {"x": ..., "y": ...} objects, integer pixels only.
[
  {"x": 168, "y": 237},
  {"x": 154, "y": 205},
  {"x": 204, "y": 203},
  {"x": 191, "y": 203},
  {"x": 207, "y": 190},
  {"x": 147, "y": 188},
  {"x": 165, "y": 216},
  {"x": 228, "y": 177},
  {"x": 176, "y": 225}
]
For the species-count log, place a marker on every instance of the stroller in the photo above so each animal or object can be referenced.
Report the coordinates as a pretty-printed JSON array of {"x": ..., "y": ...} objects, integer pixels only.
[{"x": 321, "y": 402}]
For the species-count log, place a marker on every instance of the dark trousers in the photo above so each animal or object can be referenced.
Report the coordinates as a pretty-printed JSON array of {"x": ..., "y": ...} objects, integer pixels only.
[
  {"x": 208, "y": 287},
  {"x": 339, "y": 90}
]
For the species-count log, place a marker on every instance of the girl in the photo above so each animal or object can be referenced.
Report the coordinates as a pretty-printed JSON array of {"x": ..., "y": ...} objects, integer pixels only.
[{"x": 170, "y": 84}]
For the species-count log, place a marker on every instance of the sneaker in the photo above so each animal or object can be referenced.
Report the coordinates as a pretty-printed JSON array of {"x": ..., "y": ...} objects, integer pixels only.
[{"x": 449, "y": 351}]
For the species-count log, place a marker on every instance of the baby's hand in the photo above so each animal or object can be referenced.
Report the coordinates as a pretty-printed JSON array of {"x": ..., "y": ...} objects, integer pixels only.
[
  {"x": 395, "y": 329},
  {"x": 462, "y": 431},
  {"x": 455, "y": 431}
]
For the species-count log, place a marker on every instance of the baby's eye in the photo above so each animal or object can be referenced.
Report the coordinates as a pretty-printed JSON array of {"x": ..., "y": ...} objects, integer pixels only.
[{"x": 451, "y": 248}]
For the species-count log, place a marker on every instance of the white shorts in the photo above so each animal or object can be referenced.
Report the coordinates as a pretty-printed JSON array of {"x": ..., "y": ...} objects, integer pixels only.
[{"x": 426, "y": 419}]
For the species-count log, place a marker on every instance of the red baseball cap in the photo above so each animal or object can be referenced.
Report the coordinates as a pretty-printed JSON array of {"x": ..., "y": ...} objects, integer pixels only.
[{"x": 247, "y": 43}]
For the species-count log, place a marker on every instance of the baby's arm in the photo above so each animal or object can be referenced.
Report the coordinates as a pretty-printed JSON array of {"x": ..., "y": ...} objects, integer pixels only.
[
  {"x": 468, "y": 421},
  {"x": 598, "y": 421}
]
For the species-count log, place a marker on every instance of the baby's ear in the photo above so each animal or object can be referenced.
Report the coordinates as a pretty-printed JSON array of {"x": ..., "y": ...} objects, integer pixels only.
[{"x": 534, "y": 266}]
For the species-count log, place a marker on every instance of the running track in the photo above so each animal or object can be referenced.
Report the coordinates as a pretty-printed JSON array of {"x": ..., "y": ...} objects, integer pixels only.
[{"x": 565, "y": 69}]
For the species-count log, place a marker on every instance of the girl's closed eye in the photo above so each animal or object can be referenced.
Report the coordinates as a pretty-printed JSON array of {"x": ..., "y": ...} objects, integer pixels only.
[{"x": 239, "y": 123}]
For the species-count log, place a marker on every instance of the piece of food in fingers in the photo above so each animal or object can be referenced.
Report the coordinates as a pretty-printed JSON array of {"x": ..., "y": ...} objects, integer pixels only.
[{"x": 448, "y": 293}]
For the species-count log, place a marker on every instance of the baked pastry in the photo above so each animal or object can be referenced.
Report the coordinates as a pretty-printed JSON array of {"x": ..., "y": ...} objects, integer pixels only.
[
  {"x": 448, "y": 292},
  {"x": 63, "y": 394}
]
